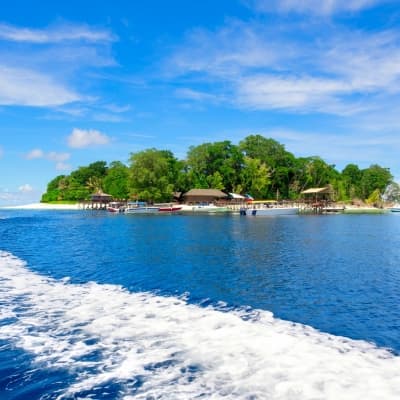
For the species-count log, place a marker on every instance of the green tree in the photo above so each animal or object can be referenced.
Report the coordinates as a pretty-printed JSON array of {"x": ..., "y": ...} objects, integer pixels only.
[
  {"x": 255, "y": 178},
  {"x": 351, "y": 177},
  {"x": 116, "y": 181},
  {"x": 210, "y": 160},
  {"x": 152, "y": 175},
  {"x": 280, "y": 163},
  {"x": 374, "y": 177},
  {"x": 54, "y": 189}
]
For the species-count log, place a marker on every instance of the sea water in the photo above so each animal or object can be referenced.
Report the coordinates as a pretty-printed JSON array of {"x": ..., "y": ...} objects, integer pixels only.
[{"x": 102, "y": 306}]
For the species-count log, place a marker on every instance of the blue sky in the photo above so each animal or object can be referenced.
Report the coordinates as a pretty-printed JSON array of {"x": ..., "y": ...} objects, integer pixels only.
[{"x": 82, "y": 81}]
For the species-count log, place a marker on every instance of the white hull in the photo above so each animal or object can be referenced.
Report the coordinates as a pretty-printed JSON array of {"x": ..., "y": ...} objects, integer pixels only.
[
  {"x": 141, "y": 210},
  {"x": 269, "y": 211},
  {"x": 198, "y": 208}
]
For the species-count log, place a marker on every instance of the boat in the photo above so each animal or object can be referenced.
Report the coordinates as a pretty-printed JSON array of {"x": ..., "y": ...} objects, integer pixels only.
[
  {"x": 170, "y": 209},
  {"x": 114, "y": 207},
  {"x": 140, "y": 207},
  {"x": 268, "y": 208},
  {"x": 203, "y": 208},
  {"x": 395, "y": 208}
]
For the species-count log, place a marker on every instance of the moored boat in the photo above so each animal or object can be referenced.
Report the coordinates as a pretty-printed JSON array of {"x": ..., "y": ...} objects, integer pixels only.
[
  {"x": 268, "y": 208},
  {"x": 114, "y": 207},
  {"x": 170, "y": 209},
  {"x": 140, "y": 207},
  {"x": 203, "y": 208}
]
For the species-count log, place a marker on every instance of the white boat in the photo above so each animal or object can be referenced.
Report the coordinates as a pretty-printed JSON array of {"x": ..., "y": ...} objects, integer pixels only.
[
  {"x": 115, "y": 207},
  {"x": 140, "y": 207},
  {"x": 268, "y": 208},
  {"x": 395, "y": 208},
  {"x": 203, "y": 208}
]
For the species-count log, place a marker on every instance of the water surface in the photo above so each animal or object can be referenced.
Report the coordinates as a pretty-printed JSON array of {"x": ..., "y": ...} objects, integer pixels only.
[{"x": 116, "y": 305}]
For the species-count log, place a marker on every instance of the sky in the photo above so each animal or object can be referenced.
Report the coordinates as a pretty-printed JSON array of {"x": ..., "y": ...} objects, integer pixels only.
[{"x": 82, "y": 81}]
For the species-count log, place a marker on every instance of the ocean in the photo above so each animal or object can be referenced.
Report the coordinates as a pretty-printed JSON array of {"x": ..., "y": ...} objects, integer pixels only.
[{"x": 102, "y": 306}]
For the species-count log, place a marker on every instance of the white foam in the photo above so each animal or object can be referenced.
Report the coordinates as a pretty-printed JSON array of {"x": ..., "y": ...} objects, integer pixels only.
[{"x": 182, "y": 351}]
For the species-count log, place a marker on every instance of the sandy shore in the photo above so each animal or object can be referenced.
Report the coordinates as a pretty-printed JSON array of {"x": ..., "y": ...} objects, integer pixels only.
[{"x": 43, "y": 206}]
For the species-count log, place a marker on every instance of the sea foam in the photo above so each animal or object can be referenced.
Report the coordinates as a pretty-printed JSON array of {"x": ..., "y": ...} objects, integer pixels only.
[{"x": 164, "y": 348}]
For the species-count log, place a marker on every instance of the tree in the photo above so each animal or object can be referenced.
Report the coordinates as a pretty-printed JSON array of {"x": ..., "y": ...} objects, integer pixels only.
[
  {"x": 280, "y": 163},
  {"x": 218, "y": 159},
  {"x": 351, "y": 176},
  {"x": 54, "y": 187},
  {"x": 115, "y": 182},
  {"x": 374, "y": 177},
  {"x": 152, "y": 175},
  {"x": 255, "y": 177}
]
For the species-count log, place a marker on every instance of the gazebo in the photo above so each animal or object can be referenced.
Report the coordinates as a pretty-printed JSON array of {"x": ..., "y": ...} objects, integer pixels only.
[
  {"x": 100, "y": 199},
  {"x": 318, "y": 198}
]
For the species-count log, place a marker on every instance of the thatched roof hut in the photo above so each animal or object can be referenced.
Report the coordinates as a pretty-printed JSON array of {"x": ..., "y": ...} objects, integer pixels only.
[
  {"x": 317, "y": 194},
  {"x": 101, "y": 197},
  {"x": 203, "y": 195}
]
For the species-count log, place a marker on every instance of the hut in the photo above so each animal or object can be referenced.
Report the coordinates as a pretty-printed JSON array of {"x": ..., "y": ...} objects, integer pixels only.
[
  {"x": 100, "y": 199},
  {"x": 203, "y": 196},
  {"x": 318, "y": 198}
]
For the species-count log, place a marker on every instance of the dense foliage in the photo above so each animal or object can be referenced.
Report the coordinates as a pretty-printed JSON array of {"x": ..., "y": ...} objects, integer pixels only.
[{"x": 258, "y": 165}]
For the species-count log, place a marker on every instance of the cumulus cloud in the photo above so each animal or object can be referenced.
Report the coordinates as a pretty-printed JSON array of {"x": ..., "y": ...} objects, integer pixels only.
[
  {"x": 81, "y": 138},
  {"x": 25, "y": 188},
  {"x": 25, "y": 87}
]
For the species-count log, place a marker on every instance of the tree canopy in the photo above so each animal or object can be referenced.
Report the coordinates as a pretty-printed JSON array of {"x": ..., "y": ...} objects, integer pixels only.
[{"x": 257, "y": 165}]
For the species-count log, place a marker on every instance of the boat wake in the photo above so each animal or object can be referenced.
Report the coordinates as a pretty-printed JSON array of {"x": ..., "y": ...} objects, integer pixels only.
[{"x": 164, "y": 348}]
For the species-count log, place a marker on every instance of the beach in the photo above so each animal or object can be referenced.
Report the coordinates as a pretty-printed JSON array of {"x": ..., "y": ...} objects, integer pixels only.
[{"x": 43, "y": 206}]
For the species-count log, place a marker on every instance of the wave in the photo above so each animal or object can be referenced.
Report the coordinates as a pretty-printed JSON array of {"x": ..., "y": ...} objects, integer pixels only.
[{"x": 164, "y": 348}]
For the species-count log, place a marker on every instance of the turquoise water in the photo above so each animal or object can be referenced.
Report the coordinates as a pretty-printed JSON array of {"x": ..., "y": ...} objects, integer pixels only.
[{"x": 96, "y": 305}]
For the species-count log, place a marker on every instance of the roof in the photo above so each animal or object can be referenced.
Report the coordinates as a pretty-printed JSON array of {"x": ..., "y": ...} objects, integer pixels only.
[
  {"x": 206, "y": 192},
  {"x": 316, "y": 190}
]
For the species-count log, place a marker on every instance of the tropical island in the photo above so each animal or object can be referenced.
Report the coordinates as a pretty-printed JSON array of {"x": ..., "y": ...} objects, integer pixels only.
[{"x": 258, "y": 165}]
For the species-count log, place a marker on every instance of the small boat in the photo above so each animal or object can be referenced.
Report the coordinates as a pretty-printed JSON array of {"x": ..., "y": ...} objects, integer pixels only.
[
  {"x": 170, "y": 209},
  {"x": 395, "y": 209},
  {"x": 114, "y": 207},
  {"x": 268, "y": 208},
  {"x": 203, "y": 208},
  {"x": 140, "y": 207}
]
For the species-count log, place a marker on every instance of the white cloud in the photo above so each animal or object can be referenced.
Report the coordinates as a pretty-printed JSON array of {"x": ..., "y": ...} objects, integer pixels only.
[
  {"x": 51, "y": 156},
  {"x": 191, "y": 94},
  {"x": 54, "y": 34},
  {"x": 342, "y": 72},
  {"x": 61, "y": 166},
  {"x": 316, "y": 7},
  {"x": 57, "y": 157},
  {"x": 29, "y": 88},
  {"x": 80, "y": 138},
  {"x": 269, "y": 92},
  {"x": 25, "y": 188},
  {"x": 35, "y": 153}
]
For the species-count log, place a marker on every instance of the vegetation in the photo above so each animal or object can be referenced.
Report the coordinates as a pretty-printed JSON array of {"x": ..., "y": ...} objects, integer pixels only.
[{"x": 257, "y": 165}]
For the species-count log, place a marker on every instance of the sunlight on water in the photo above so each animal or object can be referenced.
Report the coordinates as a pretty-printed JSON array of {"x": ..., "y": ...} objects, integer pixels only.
[{"x": 163, "y": 347}]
